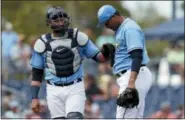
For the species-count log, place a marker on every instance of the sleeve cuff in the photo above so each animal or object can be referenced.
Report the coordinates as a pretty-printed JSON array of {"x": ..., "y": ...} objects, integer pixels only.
[
  {"x": 37, "y": 67},
  {"x": 94, "y": 54},
  {"x": 135, "y": 48}
]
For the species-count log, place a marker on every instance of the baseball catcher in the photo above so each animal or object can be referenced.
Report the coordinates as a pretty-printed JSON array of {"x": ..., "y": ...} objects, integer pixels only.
[{"x": 58, "y": 57}]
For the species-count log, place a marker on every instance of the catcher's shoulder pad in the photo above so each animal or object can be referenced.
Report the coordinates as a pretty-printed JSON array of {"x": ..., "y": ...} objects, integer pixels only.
[
  {"x": 82, "y": 38},
  {"x": 40, "y": 44}
]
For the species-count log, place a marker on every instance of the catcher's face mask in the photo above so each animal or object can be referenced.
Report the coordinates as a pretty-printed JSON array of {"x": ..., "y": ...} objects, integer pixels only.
[{"x": 57, "y": 19}]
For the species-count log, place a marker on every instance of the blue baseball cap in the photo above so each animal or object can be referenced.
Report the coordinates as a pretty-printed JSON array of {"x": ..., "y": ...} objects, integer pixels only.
[{"x": 105, "y": 13}]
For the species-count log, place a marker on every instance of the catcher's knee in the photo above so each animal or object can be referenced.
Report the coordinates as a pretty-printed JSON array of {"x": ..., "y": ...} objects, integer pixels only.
[{"x": 75, "y": 115}]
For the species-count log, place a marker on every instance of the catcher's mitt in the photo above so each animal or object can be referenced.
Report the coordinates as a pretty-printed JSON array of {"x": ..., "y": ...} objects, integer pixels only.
[
  {"x": 108, "y": 51},
  {"x": 129, "y": 98}
]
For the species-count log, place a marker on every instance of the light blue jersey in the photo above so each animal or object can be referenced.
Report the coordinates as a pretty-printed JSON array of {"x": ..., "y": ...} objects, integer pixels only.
[
  {"x": 129, "y": 36},
  {"x": 9, "y": 39},
  {"x": 39, "y": 61}
]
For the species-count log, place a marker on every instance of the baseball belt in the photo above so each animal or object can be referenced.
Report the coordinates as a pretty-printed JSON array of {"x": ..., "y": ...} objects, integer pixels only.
[{"x": 65, "y": 84}]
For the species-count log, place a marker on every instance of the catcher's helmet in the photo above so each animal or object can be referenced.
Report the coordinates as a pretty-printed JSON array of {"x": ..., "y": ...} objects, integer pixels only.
[{"x": 55, "y": 14}]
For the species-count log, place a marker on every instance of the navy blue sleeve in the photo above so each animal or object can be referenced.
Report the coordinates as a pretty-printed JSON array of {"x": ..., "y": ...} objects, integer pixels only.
[{"x": 136, "y": 56}]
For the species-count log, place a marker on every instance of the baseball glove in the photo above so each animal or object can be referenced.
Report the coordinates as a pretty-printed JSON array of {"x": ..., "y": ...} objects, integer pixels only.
[
  {"x": 129, "y": 98},
  {"x": 108, "y": 51}
]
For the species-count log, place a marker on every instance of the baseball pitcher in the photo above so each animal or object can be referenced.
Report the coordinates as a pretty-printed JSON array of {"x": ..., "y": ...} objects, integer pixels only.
[
  {"x": 58, "y": 56},
  {"x": 129, "y": 62}
]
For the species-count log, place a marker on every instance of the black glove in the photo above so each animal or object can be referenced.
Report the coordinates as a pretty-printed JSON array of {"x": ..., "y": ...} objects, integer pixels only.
[
  {"x": 108, "y": 51},
  {"x": 129, "y": 98}
]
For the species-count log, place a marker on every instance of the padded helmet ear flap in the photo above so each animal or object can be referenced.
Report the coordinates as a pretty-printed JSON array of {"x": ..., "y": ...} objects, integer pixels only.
[{"x": 40, "y": 46}]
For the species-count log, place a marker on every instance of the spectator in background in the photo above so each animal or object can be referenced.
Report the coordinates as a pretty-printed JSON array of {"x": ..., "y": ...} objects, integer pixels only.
[
  {"x": 114, "y": 89},
  {"x": 165, "y": 112},
  {"x": 175, "y": 57},
  {"x": 108, "y": 101},
  {"x": 31, "y": 40},
  {"x": 9, "y": 39},
  {"x": 175, "y": 54},
  {"x": 7, "y": 96},
  {"x": 14, "y": 111},
  {"x": 182, "y": 73},
  {"x": 180, "y": 111},
  {"x": 89, "y": 33},
  {"x": 104, "y": 82},
  {"x": 104, "y": 68},
  {"x": 91, "y": 88},
  {"x": 90, "y": 67},
  {"x": 92, "y": 109},
  {"x": 20, "y": 56},
  {"x": 105, "y": 37}
]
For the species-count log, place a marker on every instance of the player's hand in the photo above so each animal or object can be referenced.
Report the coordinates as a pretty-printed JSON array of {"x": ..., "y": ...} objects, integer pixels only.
[{"x": 36, "y": 106}]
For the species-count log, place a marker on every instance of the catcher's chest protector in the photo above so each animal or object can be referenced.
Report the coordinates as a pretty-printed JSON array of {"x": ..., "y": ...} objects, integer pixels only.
[{"x": 62, "y": 55}]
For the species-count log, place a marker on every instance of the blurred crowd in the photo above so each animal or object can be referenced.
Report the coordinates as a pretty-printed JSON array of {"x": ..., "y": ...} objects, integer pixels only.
[{"x": 165, "y": 99}]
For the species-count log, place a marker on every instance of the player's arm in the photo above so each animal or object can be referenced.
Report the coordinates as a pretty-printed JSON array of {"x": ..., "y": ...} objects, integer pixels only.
[
  {"x": 37, "y": 63},
  {"x": 89, "y": 49},
  {"x": 99, "y": 57},
  {"x": 136, "y": 56},
  {"x": 37, "y": 75},
  {"x": 134, "y": 44}
]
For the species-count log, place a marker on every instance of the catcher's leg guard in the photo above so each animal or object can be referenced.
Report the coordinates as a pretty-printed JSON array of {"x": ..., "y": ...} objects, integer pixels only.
[
  {"x": 59, "y": 118},
  {"x": 75, "y": 115}
]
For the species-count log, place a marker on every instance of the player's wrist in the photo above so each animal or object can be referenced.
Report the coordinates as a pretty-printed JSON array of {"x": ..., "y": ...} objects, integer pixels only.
[
  {"x": 132, "y": 80},
  {"x": 35, "y": 91},
  {"x": 131, "y": 84},
  {"x": 35, "y": 99}
]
